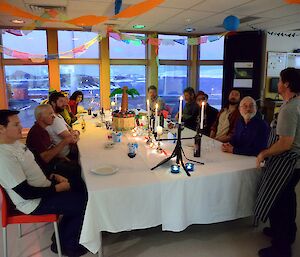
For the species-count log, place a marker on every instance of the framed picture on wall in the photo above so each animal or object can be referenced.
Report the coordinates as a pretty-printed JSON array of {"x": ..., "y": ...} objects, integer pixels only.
[{"x": 243, "y": 75}]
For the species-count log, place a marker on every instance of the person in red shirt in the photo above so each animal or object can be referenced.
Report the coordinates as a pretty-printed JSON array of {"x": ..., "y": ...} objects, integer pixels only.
[{"x": 75, "y": 99}]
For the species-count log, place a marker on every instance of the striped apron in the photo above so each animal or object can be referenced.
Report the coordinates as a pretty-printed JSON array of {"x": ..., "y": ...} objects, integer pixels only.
[{"x": 277, "y": 173}]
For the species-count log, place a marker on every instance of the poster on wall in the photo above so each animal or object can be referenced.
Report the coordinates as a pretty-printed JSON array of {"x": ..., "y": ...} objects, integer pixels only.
[
  {"x": 243, "y": 75},
  {"x": 276, "y": 63}
]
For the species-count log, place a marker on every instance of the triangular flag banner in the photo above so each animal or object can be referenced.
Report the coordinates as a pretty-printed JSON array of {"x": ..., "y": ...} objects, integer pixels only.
[
  {"x": 203, "y": 40},
  {"x": 193, "y": 41},
  {"x": 180, "y": 41}
]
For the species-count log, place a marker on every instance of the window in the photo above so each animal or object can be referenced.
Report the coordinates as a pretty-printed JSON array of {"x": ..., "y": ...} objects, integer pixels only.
[
  {"x": 85, "y": 78},
  {"x": 178, "y": 51},
  {"x": 68, "y": 40},
  {"x": 210, "y": 81},
  {"x": 133, "y": 76},
  {"x": 127, "y": 49},
  {"x": 213, "y": 50},
  {"x": 172, "y": 80},
  {"x": 34, "y": 42},
  {"x": 27, "y": 86}
]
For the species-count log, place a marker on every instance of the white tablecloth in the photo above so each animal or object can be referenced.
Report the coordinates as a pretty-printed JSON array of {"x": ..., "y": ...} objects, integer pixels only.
[{"x": 136, "y": 198}]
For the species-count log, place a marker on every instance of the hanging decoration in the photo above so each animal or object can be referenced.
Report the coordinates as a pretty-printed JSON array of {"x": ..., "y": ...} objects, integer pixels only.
[
  {"x": 118, "y": 5},
  {"x": 136, "y": 40},
  {"x": 87, "y": 20},
  {"x": 277, "y": 33},
  {"x": 293, "y": 1},
  {"x": 138, "y": 9},
  {"x": 231, "y": 23},
  {"x": 38, "y": 58}
]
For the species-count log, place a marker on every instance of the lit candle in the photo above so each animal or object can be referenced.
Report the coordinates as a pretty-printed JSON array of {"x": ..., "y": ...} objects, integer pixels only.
[
  {"x": 156, "y": 116},
  {"x": 180, "y": 110},
  {"x": 159, "y": 130},
  {"x": 202, "y": 115},
  {"x": 148, "y": 107}
]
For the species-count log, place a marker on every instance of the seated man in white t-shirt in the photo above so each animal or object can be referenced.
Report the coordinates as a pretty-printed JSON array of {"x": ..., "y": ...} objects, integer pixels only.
[
  {"x": 32, "y": 193},
  {"x": 59, "y": 130}
]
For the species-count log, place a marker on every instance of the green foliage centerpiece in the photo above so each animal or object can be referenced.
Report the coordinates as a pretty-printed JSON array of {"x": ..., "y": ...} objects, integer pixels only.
[{"x": 124, "y": 119}]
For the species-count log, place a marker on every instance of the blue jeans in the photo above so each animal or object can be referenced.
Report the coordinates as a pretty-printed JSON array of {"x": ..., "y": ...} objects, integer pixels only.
[{"x": 72, "y": 206}]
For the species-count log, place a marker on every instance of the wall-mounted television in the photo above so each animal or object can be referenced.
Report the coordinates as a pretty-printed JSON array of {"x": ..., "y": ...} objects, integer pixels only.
[{"x": 273, "y": 85}]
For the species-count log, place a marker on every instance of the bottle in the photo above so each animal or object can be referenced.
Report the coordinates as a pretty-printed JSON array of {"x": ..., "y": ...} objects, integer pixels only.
[
  {"x": 89, "y": 111},
  {"x": 83, "y": 124},
  {"x": 197, "y": 146},
  {"x": 152, "y": 123},
  {"x": 161, "y": 120}
]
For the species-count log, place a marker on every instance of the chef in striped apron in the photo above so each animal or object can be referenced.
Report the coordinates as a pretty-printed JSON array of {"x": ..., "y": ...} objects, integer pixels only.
[{"x": 276, "y": 198}]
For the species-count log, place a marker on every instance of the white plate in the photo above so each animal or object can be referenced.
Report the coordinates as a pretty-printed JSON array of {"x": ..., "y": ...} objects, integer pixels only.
[{"x": 105, "y": 170}]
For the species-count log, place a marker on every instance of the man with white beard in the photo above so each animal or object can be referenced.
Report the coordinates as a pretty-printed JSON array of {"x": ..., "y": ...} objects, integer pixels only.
[{"x": 251, "y": 132}]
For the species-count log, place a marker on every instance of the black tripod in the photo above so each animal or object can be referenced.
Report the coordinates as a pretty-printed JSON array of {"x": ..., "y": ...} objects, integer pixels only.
[{"x": 178, "y": 152}]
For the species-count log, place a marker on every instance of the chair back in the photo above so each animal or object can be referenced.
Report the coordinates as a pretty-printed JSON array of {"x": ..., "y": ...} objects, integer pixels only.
[{"x": 4, "y": 207}]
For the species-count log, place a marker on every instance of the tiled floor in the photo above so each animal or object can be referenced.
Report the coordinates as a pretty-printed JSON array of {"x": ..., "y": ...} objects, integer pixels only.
[{"x": 229, "y": 239}]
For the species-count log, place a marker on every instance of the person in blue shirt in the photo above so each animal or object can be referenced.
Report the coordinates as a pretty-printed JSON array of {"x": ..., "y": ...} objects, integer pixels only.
[{"x": 251, "y": 132}]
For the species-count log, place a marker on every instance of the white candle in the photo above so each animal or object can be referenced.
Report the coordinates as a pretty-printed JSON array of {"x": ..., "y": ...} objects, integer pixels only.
[
  {"x": 159, "y": 130},
  {"x": 120, "y": 108},
  {"x": 202, "y": 115},
  {"x": 180, "y": 110},
  {"x": 148, "y": 107},
  {"x": 156, "y": 117}
]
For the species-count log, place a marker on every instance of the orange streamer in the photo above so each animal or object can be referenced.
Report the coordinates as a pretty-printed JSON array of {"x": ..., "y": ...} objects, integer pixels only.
[
  {"x": 88, "y": 20},
  {"x": 293, "y": 1},
  {"x": 15, "y": 11}
]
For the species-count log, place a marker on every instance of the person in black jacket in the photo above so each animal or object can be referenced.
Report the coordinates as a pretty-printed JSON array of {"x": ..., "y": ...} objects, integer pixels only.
[
  {"x": 210, "y": 113},
  {"x": 189, "y": 112},
  {"x": 30, "y": 190}
]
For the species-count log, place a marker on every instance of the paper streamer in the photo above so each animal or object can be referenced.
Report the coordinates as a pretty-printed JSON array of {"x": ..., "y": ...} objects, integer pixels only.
[
  {"x": 88, "y": 20},
  {"x": 138, "y": 9},
  {"x": 136, "y": 40}
]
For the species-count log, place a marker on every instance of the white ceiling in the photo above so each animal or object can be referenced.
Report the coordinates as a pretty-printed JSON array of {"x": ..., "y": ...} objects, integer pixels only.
[{"x": 206, "y": 16}]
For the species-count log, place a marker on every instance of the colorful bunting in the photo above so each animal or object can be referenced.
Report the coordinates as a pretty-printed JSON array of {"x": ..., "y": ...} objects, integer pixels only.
[
  {"x": 136, "y": 40},
  {"x": 279, "y": 34},
  {"x": 193, "y": 41},
  {"x": 41, "y": 58}
]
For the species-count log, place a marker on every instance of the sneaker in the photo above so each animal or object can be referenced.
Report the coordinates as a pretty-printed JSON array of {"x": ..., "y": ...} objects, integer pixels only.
[
  {"x": 268, "y": 232},
  {"x": 78, "y": 251},
  {"x": 53, "y": 247},
  {"x": 272, "y": 252}
]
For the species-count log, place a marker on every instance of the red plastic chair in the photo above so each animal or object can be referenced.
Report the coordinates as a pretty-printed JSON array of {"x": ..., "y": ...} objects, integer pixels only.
[{"x": 10, "y": 216}]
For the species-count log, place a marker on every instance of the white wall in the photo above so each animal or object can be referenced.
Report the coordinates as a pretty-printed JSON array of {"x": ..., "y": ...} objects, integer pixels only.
[{"x": 282, "y": 44}]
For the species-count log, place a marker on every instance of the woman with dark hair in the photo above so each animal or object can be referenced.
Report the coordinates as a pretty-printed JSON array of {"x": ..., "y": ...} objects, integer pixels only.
[{"x": 75, "y": 99}]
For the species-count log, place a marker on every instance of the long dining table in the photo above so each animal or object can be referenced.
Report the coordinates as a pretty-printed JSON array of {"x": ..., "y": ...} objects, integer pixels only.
[{"x": 135, "y": 197}]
